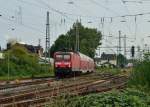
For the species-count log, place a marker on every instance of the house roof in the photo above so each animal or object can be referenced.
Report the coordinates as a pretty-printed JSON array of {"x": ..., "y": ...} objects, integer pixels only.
[
  {"x": 97, "y": 59},
  {"x": 108, "y": 56}
]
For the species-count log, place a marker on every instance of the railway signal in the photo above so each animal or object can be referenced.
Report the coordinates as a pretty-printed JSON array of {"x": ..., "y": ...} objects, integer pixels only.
[{"x": 132, "y": 51}]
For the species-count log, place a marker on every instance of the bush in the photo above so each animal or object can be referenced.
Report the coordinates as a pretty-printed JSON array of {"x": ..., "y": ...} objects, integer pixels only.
[
  {"x": 127, "y": 98},
  {"x": 140, "y": 77},
  {"x": 108, "y": 70},
  {"x": 21, "y": 63}
]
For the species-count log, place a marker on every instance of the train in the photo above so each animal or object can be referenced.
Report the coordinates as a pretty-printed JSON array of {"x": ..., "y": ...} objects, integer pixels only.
[{"x": 72, "y": 63}]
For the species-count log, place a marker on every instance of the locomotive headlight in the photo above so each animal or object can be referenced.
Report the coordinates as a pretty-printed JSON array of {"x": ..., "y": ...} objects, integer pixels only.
[
  {"x": 57, "y": 64},
  {"x": 62, "y": 64},
  {"x": 68, "y": 64}
]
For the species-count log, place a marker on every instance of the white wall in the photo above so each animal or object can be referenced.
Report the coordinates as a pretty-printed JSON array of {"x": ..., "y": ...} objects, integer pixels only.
[{"x": 1, "y": 56}]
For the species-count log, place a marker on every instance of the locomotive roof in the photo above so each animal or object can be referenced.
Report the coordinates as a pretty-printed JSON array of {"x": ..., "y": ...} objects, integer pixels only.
[
  {"x": 64, "y": 52},
  {"x": 80, "y": 54},
  {"x": 85, "y": 56}
]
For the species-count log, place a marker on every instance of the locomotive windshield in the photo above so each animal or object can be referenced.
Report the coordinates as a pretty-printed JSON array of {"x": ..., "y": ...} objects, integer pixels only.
[
  {"x": 65, "y": 57},
  {"x": 59, "y": 57}
]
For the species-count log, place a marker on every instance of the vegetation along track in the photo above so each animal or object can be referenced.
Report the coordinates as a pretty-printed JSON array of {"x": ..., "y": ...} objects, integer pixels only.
[{"x": 91, "y": 83}]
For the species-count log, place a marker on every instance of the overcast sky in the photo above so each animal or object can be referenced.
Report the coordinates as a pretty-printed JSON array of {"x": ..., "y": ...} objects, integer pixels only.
[{"x": 26, "y": 19}]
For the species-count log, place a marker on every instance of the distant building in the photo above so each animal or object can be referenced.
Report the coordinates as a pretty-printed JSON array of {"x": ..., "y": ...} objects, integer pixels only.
[
  {"x": 106, "y": 59},
  {"x": 33, "y": 49},
  {"x": 1, "y": 55},
  {"x": 43, "y": 60}
]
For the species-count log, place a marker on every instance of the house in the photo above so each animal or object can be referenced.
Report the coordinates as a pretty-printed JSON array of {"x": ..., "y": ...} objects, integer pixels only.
[
  {"x": 34, "y": 49},
  {"x": 106, "y": 60},
  {"x": 1, "y": 55},
  {"x": 97, "y": 61},
  {"x": 43, "y": 60},
  {"x": 31, "y": 48}
]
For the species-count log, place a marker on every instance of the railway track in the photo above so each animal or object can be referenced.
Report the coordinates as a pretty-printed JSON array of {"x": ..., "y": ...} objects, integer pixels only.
[
  {"x": 42, "y": 84},
  {"x": 28, "y": 82},
  {"x": 31, "y": 82},
  {"x": 99, "y": 83}
]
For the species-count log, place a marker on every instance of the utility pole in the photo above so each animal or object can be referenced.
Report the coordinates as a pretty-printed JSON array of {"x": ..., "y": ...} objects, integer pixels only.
[
  {"x": 119, "y": 42},
  {"x": 47, "y": 47},
  {"x": 18, "y": 15},
  {"x": 139, "y": 52},
  {"x": 39, "y": 42},
  {"x": 77, "y": 37},
  {"x": 118, "y": 47},
  {"x": 125, "y": 51},
  {"x": 125, "y": 54},
  {"x": 99, "y": 52}
]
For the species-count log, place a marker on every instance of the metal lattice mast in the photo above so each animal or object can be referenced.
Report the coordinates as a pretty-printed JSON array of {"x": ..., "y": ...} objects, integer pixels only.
[
  {"x": 77, "y": 37},
  {"x": 125, "y": 51},
  {"x": 119, "y": 42},
  {"x": 47, "y": 47}
]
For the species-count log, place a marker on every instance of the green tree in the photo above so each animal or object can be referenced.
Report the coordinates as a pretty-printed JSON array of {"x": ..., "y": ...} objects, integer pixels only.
[
  {"x": 147, "y": 56},
  {"x": 89, "y": 40}
]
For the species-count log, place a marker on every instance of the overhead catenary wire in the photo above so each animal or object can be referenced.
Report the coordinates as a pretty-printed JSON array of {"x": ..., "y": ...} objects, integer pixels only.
[
  {"x": 64, "y": 14},
  {"x": 69, "y": 15},
  {"x": 123, "y": 2},
  {"x": 56, "y": 10},
  {"x": 24, "y": 25},
  {"x": 14, "y": 28},
  {"x": 53, "y": 9},
  {"x": 126, "y": 9},
  {"x": 38, "y": 29},
  {"x": 135, "y": 27},
  {"x": 80, "y": 15},
  {"x": 128, "y": 15},
  {"x": 44, "y": 5},
  {"x": 104, "y": 7},
  {"x": 13, "y": 18},
  {"x": 103, "y": 19},
  {"x": 80, "y": 8},
  {"x": 134, "y": 1}
]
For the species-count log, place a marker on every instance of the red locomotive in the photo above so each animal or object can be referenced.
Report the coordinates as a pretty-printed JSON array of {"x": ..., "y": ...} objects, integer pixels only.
[{"x": 68, "y": 63}]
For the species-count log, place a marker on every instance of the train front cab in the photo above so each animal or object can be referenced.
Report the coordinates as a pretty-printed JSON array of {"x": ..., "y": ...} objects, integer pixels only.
[{"x": 62, "y": 64}]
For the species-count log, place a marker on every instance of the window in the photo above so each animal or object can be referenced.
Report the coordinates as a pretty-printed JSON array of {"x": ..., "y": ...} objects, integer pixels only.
[
  {"x": 59, "y": 57},
  {"x": 66, "y": 57},
  {"x": 62, "y": 57}
]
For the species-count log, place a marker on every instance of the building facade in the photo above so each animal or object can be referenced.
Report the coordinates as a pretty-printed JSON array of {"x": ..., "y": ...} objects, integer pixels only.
[{"x": 106, "y": 59}]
